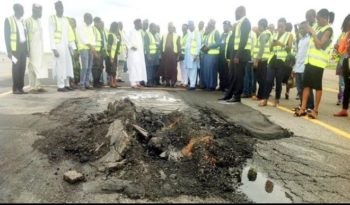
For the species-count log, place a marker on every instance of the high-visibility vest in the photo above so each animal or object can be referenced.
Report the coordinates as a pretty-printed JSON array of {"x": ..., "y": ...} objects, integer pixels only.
[
  {"x": 253, "y": 40},
  {"x": 227, "y": 41},
  {"x": 238, "y": 36},
  {"x": 279, "y": 51},
  {"x": 153, "y": 44},
  {"x": 13, "y": 35},
  {"x": 183, "y": 42},
  {"x": 89, "y": 32},
  {"x": 58, "y": 29},
  {"x": 211, "y": 40},
  {"x": 175, "y": 37},
  {"x": 319, "y": 57},
  {"x": 194, "y": 43},
  {"x": 113, "y": 50},
  {"x": 31, "y": 26},
  {"x": 98, "y": 39},
  {"x": 266, "y": 55}
]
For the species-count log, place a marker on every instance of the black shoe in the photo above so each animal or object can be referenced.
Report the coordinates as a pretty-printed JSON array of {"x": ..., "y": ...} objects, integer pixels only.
[
  {"x": 234, "y": 100},
  {"x": 224, "y": 98},
  {"x": 16, "y": 92},
  {"x": 89, "y": 88},
  {"x": 246, "y": 96},
  {"x": 62, "y": 90},
  {"x": 69, "y": 88},
  {"x": 22, "y": 92},
  {"x": 120, "y": 81},
  {"x": 191, "y": 88}
]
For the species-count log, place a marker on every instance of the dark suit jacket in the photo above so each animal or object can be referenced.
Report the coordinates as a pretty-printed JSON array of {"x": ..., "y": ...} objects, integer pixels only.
[
  {"x": 7, "y": 31},
  {"x": 243, "y": 54}
]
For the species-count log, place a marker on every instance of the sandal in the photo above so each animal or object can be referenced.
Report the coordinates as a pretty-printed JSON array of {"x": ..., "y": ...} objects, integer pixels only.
[
  {"x": 300, "y": 113},
  {"x": 262, "y": 103},
  {"x": 313, "y": 114}
]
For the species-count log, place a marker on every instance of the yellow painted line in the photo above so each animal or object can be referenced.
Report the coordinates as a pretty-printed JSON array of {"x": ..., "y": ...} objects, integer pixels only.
[
  {"x": 318, "y": 122},
  {"x": 330, "y": 90}
]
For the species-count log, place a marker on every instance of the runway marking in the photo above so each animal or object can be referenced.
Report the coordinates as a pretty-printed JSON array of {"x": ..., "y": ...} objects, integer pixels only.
[{"x": 318, "y": 122}]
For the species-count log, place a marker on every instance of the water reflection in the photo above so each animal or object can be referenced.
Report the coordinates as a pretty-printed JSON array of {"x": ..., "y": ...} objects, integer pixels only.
[{"x": 260, "y": 189}]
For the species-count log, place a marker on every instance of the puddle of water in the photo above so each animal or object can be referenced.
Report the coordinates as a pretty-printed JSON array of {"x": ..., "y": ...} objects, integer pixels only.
[
  {"x": 152, "y": 96},
  {"x": 260, "y": 189}
]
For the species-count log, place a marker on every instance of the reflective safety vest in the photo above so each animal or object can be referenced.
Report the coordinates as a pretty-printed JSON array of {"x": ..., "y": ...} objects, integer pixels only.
[
  {"x": 227, "y": 41},
  {"x": 13, "y": 35},
  {"x": 253, "y": 40},
  {"x": 183, "y": 42},
  {"x": 238, "y": 36},
  {"x": 113, "y": 50},
  {"x": 194, "y": 43},
  {"x": 58, "y": 29},
  {"x": 153, "y": 44},
  {"x": 175, "y": 37},
  {"x": 98, "y": 39},
  {"x": 267, "y": 53},
  {"x": 280, "y": 51},
  {"x": 89, "y": 32},
  {"x": 319, "y": 57},
  {"x": 31, "y": 26},
  {"x": 211, "y": 41}
]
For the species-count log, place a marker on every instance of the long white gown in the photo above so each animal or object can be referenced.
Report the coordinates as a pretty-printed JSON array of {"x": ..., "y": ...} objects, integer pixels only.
[
  {"x": 136, "y": 59},
  {"x": 63, "y": 66}
]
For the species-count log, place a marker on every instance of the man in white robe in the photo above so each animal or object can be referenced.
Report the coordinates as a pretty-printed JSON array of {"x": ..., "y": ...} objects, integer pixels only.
[
  {"x": 62, "y": 44},
  {"x": 36, "y": 69},
  {"x": 136, "y": 58}
]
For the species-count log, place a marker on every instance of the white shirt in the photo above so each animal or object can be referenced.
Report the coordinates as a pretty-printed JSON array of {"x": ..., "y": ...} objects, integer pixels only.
[
  {"x": 22, "y": 36},
  {"x": 303, "y": 46},
  {"x": 83, "y": 32}
]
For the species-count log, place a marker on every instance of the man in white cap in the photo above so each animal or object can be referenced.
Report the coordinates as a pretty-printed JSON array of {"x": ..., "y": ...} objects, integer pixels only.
[
  {"x": 62, "y": 41},
  {"x": 36, "y": 69}
]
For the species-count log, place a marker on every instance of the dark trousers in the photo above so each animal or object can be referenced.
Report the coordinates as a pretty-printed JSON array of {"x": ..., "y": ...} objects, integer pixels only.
[
  {"x": 235, "y": 89},
  {"x": 346, "y": 74},
  {"x": 97, "y": 68},
  {"x": 18, "y": 69},
  {"x": 275, "y": 71},
  {"x": 248, "y": 79},
  {"x": 223, "y": 72},
  {"x": 260, "y": 76}
]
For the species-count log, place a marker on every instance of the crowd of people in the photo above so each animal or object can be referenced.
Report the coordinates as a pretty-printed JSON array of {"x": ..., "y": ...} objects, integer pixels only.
[{"x": 242, "y": 62}]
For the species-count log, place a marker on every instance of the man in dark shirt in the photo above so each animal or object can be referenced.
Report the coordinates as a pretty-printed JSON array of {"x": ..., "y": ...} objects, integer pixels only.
[
  {"x": 223, "y": 66},
  {"x": 239, "y": 57}
]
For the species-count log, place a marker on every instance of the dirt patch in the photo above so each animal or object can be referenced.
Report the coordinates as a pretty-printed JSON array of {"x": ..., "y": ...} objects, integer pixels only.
[{"x": 180, "y": 155}]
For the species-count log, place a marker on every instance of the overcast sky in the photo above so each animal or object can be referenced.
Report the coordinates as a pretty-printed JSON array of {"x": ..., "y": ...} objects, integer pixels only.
[{"x": 178, "y": 11}]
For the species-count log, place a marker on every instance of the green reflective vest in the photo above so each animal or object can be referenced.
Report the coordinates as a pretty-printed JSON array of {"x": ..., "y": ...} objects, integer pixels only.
[
  {"x": 98, "y": 39},
  {"x": 227, "y": 41},
  {"x": 267, "y": 53},
  {"x": 113, "y": 50},
  {"x": 175, "y": 37},
  {"x": 89, "y": 32},
  {"x": 58, "y": 29},
  {"x": 13, "y": 35},
  {"x": 279, "y": 51},
  {"x": 238, "y": 36},
  {"x": 183, "y": 42},
  {"x": 31, "y": 26},
  {"x": 211, "y": 41},
  {"x": 153, "y": 44},
  {"x": 319, "y": 57}
]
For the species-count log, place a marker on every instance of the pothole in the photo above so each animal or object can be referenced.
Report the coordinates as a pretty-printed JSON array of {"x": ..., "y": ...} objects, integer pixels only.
[{"x": 148, "y": 154}]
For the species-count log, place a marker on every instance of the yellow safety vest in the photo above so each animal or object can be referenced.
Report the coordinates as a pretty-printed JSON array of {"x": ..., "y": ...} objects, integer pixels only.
[
  {"x": 58, "y": 30},
  {"x": 152, "y": 44},
  {"x": 175, "y": 37},
  {"x": 98, "y": 39},
  {"x": 211, "y": 41},
  {"x": 238, "y": 36},
  {"x": 253, "y": 38},
  {"x": 267, "y": 53},
  {"x": 183, "y": 43},
  {"x": 113, "y": 50},
  {"x": 280, "y": 51},
  {"x": 194, "y": 43},
  {"x": 13, "y": 35},
  {"x": 89, "y": 32},
  {"x": 31, "y": 26},
  {"x": 319, "y": 57}
]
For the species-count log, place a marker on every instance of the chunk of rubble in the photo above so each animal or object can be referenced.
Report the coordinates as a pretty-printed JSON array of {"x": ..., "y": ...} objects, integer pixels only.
[{"x": 73, "y": 177}]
